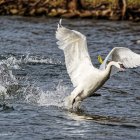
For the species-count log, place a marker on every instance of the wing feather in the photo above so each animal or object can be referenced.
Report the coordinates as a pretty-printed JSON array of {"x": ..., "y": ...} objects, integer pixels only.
[
  {"x": 123, "y": 55},
  {"x": 77, "y": 59}
]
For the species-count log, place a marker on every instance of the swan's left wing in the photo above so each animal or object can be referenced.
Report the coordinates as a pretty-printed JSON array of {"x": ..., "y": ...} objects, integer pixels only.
[
  {"x": 77, "y": 59},
  {"x": 124, "y": 55}
]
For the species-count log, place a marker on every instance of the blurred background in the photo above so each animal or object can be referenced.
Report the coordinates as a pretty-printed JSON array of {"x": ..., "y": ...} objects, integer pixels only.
[{"x": 100, "y": 9}]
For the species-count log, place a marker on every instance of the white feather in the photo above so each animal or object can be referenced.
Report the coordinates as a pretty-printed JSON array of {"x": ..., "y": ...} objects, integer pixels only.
[
  {"x": 124, "y": 55},
  {"x": 77, "y": 59}
]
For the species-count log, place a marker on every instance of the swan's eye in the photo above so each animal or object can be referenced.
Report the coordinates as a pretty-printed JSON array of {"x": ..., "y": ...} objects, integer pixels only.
[{"x": 122, "y": 66}]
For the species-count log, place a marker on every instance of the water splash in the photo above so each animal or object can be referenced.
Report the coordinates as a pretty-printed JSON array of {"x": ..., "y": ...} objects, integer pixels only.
[
  {"x": 54, "y": 98},
  {"x": 11, "y": 62},
  {"x": 12, "y": 88},
  {"x": 34, "y": 95},
  {"x": 40, "y": 60},
  {"x": 14, "y": 63},
  {"x": 37, "y": 60},
  {"x": 7, "y": 80}
]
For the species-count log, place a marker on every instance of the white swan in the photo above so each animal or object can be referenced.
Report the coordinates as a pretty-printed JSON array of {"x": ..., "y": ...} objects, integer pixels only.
[{"x": 85, "y": 77}]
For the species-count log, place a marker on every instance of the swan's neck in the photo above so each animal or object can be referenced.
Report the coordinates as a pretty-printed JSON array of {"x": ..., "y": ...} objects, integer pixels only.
[{"x": 109, "y": 67}]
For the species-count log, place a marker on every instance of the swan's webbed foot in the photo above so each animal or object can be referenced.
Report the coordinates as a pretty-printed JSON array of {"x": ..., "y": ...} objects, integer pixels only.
[
  {"x": 76, "y": 106},
  {"x": 76, "y": 102},
  {"x": 73, "y": 104}
]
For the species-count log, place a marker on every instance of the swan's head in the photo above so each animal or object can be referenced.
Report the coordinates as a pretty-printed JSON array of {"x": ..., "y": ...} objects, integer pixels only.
[{"x": 119, "y": 65}]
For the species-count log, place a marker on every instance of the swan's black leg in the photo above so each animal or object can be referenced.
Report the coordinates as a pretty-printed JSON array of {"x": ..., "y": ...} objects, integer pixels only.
[
  {"x": 73, "y": 101},
  {"x": 95, "y": 95}
]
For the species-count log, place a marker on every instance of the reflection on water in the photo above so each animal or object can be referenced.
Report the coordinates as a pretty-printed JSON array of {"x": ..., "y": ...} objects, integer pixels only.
[
  {"x": 34, "y": 82},
  {"x": 105, "y": 120}
]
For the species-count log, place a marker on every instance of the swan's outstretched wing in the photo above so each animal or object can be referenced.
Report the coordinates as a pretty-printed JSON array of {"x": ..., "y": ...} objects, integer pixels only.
[
  {"x": 77, "y": 59},
  {"x": 123, "y": 55}
]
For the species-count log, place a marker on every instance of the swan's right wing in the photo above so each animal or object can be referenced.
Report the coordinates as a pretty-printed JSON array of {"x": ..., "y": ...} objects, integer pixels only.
[
  {"x": 124, "y": 55},
  {"x": 77, "y": 59}
]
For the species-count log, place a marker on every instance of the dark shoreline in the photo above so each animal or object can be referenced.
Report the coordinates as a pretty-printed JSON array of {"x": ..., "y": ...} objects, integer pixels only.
[{"x": 103, "y": 9}]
